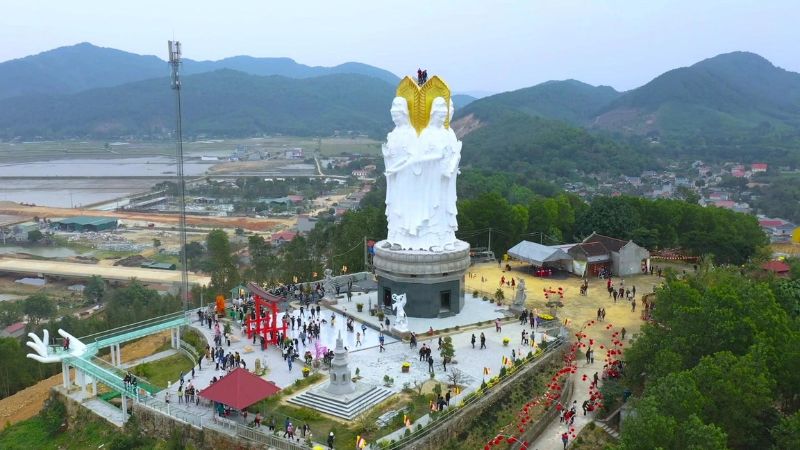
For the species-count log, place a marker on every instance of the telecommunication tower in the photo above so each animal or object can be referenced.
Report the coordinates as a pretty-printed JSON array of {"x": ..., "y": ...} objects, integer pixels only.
[{"x": 175, "y": 63}]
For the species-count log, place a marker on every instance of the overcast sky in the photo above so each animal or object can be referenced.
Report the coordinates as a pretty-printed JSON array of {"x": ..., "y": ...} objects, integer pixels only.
[{"x": 488, "y": 45}]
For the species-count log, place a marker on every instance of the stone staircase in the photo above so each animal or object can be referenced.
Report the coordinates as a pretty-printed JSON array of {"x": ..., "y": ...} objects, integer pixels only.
[
  {"x": 340, "y": 406},
  {"x": 611, "y": 432}
]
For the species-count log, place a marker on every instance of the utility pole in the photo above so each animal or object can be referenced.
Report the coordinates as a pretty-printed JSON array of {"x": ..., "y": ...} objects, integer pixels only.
[
  {"x": 366, "y": 256},
  {"x": 490, "y": 239},
  {"x": 175, "y": 64}
]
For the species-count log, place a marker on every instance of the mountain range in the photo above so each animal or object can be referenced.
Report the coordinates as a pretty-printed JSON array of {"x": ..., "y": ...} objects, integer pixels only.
[
  {"x": 728, "y": 103},
  {"x": 728, "y": 93},
  {"x": 735, "y": 105},
  {"x": 66, "y": 70}
]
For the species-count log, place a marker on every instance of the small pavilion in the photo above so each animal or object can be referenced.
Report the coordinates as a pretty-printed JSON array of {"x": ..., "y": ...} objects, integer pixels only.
[{"x": 240, "y": 389}]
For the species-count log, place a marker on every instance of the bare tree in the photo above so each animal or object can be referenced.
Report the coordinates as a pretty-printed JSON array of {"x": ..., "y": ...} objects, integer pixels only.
[{"x": 456, "y": 377}]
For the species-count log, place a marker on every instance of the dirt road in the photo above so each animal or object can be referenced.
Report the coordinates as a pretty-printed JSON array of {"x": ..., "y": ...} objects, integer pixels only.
[
  {"x": 26, "y": 403},
  {"x": 247, "y": 223}
]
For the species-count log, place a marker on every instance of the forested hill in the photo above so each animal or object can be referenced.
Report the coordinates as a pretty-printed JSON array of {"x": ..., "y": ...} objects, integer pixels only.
[
  {"x": 548, "y": 149},
  {"x": 733, "y": 106},
  {"x": 221, "y": 103},
  {"x": 570, "y": 100},
  {"x": 80, "y": 67},
  {"x": 726, "y": 94}
]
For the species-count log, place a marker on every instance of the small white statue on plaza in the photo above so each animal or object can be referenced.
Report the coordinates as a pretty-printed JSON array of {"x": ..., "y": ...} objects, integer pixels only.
[
  {"x": 329, "y": 285},
  {"x": 521, "y": 295},
  {"x": 398, "y": 305}
]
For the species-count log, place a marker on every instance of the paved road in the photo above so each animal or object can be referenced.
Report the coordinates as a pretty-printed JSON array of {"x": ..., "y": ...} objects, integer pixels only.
[{"x": 77, "y": 270}]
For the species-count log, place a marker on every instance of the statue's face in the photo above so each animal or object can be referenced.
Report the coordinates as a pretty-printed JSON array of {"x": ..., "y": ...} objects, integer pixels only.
[
  {"x": 438, "y": 112},
  {"x": 399, "y": 111}
]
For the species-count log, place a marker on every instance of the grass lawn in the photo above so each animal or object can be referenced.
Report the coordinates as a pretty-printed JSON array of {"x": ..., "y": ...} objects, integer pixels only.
[
  {"x": 592, "y": 437},
  {"x": 160, "y": 372},
  {"x": 32, "y": 433},
  {"x": 166, "y": 258}
]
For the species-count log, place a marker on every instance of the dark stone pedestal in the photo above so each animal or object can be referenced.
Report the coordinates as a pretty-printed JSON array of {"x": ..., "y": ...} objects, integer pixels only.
[{"x": 432, "y": 281}]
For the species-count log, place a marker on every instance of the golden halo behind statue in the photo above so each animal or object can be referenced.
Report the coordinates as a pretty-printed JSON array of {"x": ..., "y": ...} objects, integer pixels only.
[{"x": 420, "y": 99}]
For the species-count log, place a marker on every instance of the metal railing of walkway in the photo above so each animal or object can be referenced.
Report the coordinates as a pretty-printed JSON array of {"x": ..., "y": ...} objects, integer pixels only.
[
  {"x": 104, "y": 376},
  {"x": 113, "y": 376},
  {"x": 135, "y": 330},
  {"x": 227, "y": 426}
]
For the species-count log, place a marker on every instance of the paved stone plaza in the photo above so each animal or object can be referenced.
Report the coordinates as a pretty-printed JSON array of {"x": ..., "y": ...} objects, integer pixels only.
[
  {"x": 475, "y": 310},
  {"x": 373, "y": 364}
]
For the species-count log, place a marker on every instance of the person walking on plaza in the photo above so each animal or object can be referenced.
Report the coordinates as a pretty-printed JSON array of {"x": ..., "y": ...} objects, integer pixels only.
[
  {"x": 497, "y": 326},
  {"x": 483, "y": 341},
  {"x": 381, "y": 341},
  {"x": 565, "y": 439},
  {"x": 330, "y": 440},
  {"x": 358, "y": 339},
  {"x": 430, "y": 364},
  {"x": 472, "y": 340},
  {"x": 623, "y": 331}
]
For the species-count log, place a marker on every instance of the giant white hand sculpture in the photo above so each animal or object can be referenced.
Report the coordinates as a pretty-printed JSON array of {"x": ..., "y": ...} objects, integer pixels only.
[{"x": 76, "y": 347}]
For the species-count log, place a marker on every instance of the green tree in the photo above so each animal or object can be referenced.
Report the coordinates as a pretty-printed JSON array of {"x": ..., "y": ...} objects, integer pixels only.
[
  {"x": 195, "y": 253},
  {"x": 95, "y": 289},
  {"x": 739, "y": 395},
  {"x": 650, "y": 429},
  {"x": 491, "y": 210},
  {"x": 448, "y": 351},
  {"x": 264, "y": 261},
  {"x": 35, "y": 236},
  {"x": 224, "y": 274},
  {"x": 15, "y": 372},
  {"x": 10, "y": 312},
  {"x": 38, "y": 307},
  {"x": 787, "y": 433}
]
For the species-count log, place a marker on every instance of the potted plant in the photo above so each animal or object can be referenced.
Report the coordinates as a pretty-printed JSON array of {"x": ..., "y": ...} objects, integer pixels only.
[
  {"x": 475, "y": 293},
  {"x": 380, "y": 315},
  {"x": 506, "y": 341},
  {"x": 359, "y": 307},
  {"x": 499, "y": 296},
  {"x": 406, "y": 367},
  {"x": 306, "y": 371}
]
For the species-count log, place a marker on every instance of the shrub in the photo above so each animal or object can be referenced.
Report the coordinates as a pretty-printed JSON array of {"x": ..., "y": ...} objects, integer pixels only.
[
  {"x": 53, "y": 416},
  {"x": 612, "y": 391},
  {"x": 499, "y": 295},
  {"x": 475, "y": 294}
]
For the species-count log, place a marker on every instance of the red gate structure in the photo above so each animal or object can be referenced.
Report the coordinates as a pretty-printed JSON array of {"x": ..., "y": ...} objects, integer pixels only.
[{"x": 266, "y": 325}]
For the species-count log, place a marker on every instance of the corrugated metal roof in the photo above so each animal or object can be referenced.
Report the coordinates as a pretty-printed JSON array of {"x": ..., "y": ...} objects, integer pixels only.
[{"x": 537, "y": 253}]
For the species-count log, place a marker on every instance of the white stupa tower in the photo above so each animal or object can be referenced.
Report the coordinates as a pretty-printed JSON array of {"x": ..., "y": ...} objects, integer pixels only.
[{"x": 340, "y": 379}]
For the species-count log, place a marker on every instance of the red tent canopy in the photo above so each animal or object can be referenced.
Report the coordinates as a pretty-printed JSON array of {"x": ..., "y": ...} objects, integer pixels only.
[{"x": 239, "y": 389}]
